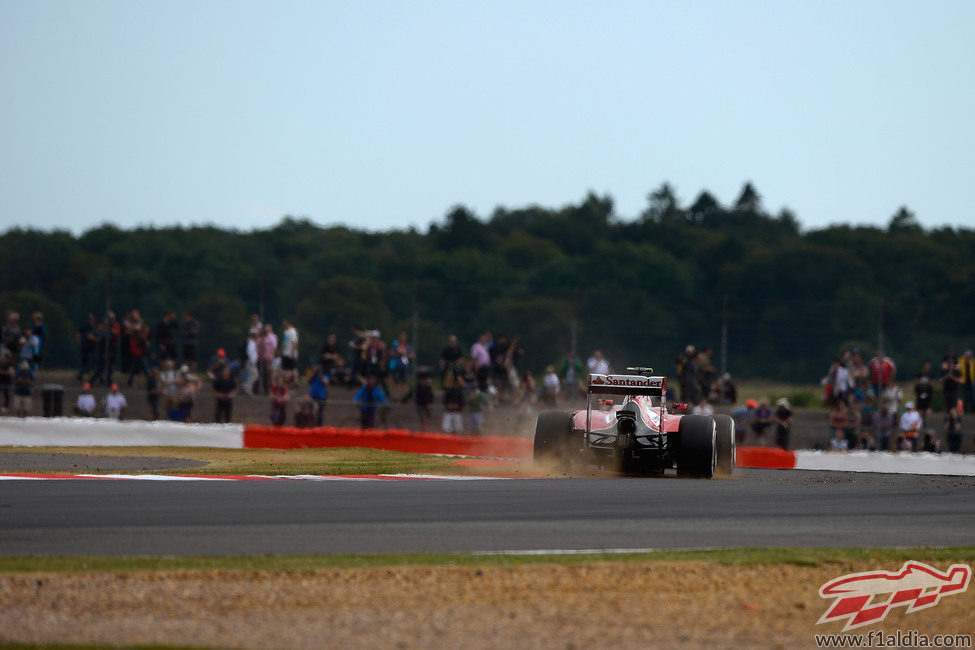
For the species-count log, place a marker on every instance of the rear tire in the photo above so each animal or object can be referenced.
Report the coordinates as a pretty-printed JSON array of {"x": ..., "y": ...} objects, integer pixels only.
[
  {"x": 725, "y": 444},
  {"x": 553, "y": 438},
  {"x": 697, "y": 455}
]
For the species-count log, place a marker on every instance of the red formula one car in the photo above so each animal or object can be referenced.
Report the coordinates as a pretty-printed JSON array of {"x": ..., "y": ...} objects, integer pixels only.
[{"x": 629, "y": 427}]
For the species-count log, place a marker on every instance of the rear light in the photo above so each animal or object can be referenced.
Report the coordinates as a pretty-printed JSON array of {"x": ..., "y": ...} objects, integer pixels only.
[{"x": 680, "y": 407}]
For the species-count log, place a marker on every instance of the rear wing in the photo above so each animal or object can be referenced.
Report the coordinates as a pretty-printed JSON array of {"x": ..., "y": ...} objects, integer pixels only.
[{"x": 627, "y": 385}]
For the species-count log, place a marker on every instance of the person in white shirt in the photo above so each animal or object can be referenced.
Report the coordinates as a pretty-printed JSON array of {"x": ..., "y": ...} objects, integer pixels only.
[
  {"x": 550, "y": 386},
  {"x": 289, "y": 352},
  {"x": 703, "y": 408},
  {"x": 114, "y": 403},
  {"x": 597, "y": 364},
  {"x": 85, "y": 406},
  {"x": 250, "y": 369},
  {"x": 910, "y": 424}
]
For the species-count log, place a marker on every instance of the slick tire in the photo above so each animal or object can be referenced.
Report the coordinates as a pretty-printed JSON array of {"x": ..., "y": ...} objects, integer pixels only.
[
  {"x": 553, "y": 438},
  {"x": 697, "y": 455},
  {"x": 725, "y": 435}
]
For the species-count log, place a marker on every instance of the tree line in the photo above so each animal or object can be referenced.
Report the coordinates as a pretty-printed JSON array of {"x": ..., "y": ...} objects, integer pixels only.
[{"x": 639, "y": 289}]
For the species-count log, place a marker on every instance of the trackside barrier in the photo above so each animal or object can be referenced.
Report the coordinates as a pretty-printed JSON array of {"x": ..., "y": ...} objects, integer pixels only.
[
  {"x": 765, "y": 457},
  {"x": 99, "y": 432},
  {"x": 265, "y": 437}
]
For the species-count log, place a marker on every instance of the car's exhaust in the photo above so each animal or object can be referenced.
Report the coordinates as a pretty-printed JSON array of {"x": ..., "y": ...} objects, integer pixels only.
[{"x": 625, "y": 428}]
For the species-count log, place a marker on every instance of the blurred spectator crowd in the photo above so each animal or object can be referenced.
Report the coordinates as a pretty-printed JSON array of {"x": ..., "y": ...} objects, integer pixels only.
[{"x": 869, "y": 411}]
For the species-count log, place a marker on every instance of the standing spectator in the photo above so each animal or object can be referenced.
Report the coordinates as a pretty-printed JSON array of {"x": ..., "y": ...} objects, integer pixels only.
[
  {"x": 139, "y": 353},
  {"x": 289, "y": 352},
  {"x": 189, "y": 334},
  {"x": 422, "y": 395},
  {"x": 85, "y": 405},
  {"x": 154, "y": 392},
  {"x": 10, "y": 333},
  {"x": 23, "y": 390},
  {"x": 224, "y": 388},
  {"x": 40, "y": 332},
  {"x": 368, "y": 398},
  {"x": 573, "y": 380},
  {"x": 166, "y": 336},
  {"x": 86, "y": 345},
  {"x": 953, "y": 430},
  {"x": 930, "y": 445},
  {"x": 215, "y": 369},
  {"x": 131, "y": 326},
  {"x": 883, "y": 372},
  {"x": 597, "y": 365},
  {"x": 100, "y": 353},
  {"x": 499, "y": 351},
  {"x": 910, "y": 424},
  {"x": 453, "y": 405},
  {"x": 375, "y": 364},
  {"x": 741, "y": 416},
  {"x": 450, "y": 355},
  {"x": 255, "y": 326},
  {"x": 114, "y": 403},
  {"x": 329, "y": 355},
  {"x": 253, "y": 357},
  {"x": 29, "y": 348},
  {"x": 6, "y": 377},
  {"x": 189, "y": 386},
  {"x": 318, "y": 392},
  {"x": 550, "y": 387},
  {"x": 924, "y": 392},
  {"x": 357, "y": 353},
  {"x": 761, "y": 420},
  {"x": 482, "y": 359},
  {"x": 170, "y": 382},
  {"x": 966, "y": 367},
  {"x": 479, "y": 402},
  {"x": 950, "y": 379},
  {"x": 113, "y": 332},
  {"x": 841, "y": 382},
  {"x": 279, "y": 399},
  {"x": 891, "y": 398},
  {"x": 401, "y": 359},
  {"x": 267, "y": 352},
  {"x": 783, "y": 423}
]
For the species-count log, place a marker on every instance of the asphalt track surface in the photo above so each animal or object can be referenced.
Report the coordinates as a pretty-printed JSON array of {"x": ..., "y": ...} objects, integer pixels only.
[{"x": 756, "y": 508}]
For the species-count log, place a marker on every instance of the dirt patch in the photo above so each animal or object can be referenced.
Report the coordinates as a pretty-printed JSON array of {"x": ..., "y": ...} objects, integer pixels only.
[{"x": 600, "y": 605}]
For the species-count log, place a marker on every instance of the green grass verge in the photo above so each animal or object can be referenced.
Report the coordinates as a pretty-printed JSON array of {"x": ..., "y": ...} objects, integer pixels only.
[{"x": 731, "y": 557}]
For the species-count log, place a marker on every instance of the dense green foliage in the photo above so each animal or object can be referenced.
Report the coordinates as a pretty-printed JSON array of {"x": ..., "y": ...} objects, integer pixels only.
[{"x": 641, "y": 289}]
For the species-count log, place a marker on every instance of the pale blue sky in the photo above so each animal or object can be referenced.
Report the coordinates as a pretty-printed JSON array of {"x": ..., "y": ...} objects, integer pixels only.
[{"x": 385, "y": 114}]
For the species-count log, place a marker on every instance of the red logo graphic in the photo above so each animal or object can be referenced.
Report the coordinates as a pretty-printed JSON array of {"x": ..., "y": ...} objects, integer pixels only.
[
  {"x": 916, "y": 586},
  {"x": 597, "y": 379}
]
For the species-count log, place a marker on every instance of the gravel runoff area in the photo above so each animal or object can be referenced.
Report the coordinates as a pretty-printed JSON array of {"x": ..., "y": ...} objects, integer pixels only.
[{"x": 596, "y": 605}]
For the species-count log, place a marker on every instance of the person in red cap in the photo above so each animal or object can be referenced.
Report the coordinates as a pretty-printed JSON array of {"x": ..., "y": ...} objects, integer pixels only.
[
  {"x": 219, "y": 363},
  {"x": 742, "y": 415},
  {"x": 85, "y": 406},
  {"x": 114, "y": 403}
]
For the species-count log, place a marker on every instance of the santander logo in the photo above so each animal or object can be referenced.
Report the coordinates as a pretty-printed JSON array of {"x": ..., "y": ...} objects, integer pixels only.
[{"x": 632, "y": 381}]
